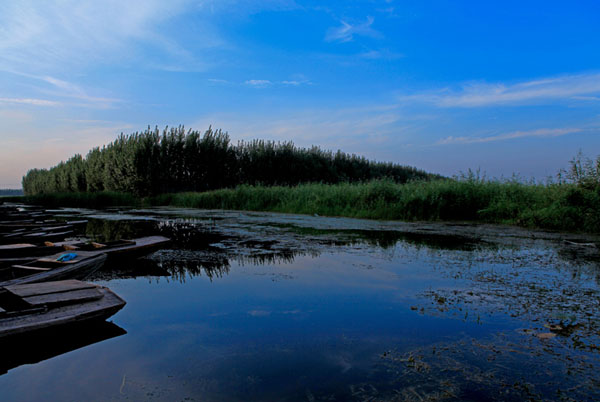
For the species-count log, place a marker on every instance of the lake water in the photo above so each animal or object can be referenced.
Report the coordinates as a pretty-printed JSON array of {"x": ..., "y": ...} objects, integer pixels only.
[{"x": 253, "y": 306}]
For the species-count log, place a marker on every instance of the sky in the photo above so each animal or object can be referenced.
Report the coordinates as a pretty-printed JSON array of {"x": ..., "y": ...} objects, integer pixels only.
[{"x": 507, "y": 87}]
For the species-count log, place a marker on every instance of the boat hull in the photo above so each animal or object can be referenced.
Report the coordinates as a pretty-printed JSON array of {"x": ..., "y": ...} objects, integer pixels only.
[
  {"x": 78, "y": 270},
  {"x": 62, "y": 307}
]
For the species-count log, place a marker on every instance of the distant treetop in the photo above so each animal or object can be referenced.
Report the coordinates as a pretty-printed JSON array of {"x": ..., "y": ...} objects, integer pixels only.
[{"x": 175, "y": 160}]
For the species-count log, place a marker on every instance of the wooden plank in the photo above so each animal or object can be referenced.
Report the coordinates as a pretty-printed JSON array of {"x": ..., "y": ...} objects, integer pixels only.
[
  {"x": 73, "y": 261},
  {"x": 15, "y": 246},
  {"x": 65, "y": 271},
  {"x": 30, "y": 268},
  {"x": 59, "y": 315},
  {"x": 18, "y": 233},
  {"x": 70, "y": 247},
  {"x": 32, "y": 289},
  {"x": 75, "y": 296}
]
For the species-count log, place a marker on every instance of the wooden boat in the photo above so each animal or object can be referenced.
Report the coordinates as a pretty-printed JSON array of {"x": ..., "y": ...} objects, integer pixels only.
[
  {"x": 31, "y": 307},
  {"x": 120, "y": 248},
  {"x": 20, "y": 253},
  {"x": 19, "y": 250},
  {"x": 50, "y": 269},
  {"x": 39, "y": 235},
  {"x": 36, "y": 225}
]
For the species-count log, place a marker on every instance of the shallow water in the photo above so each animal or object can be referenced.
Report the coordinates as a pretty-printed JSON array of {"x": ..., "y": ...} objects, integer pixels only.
[{"x": 248, "y": 306}]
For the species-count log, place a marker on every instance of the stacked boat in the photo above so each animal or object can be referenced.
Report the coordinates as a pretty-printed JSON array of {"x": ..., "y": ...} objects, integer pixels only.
[{"x": 40, "y": 274}]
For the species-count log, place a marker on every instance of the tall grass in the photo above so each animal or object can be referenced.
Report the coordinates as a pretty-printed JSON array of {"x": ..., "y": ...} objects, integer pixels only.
[
  {"x": 554, "y": 206},
  {"x": 562, "y": 206}
]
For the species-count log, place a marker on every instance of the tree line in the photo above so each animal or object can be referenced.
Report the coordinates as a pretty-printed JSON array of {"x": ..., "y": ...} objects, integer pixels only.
[{"x": 150, "y": 163}]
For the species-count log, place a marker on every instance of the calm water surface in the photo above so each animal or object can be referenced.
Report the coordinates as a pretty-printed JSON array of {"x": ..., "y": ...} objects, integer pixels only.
[{"x": 282, "y": 307}]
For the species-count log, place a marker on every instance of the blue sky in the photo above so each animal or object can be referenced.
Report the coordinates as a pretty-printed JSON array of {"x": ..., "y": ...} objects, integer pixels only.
[{"x": 507, "y": 87}]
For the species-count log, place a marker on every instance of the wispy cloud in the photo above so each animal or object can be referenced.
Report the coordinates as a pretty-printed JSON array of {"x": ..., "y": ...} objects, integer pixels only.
[
  {"x": 347, "y": 31},
  {"x": 297, "y": 80},
  {"x": 218, "y": 81},
  {"x": 58, "y": 88},
  {"x": 258, "y": 83},
  {"x": 52, "y": 34},
  {"x": 536, "y": 91},
  {"x": 542, "y": 132},
  {"x": 380, "y": 54},
  {"x": 355, "y": 129},
  {"x": 29, "y": 101}
]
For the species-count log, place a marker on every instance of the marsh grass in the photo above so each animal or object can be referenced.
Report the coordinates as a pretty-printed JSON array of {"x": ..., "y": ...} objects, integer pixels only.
[
  {"x": 555, "y": 206},
  {"x": 563, "y": 206}
]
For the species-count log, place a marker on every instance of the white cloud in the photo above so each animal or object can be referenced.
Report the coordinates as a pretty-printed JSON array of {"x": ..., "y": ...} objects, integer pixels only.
[
  {"x": 542, "y": 132},
  {"x": 297, "y": 80},
  {"x": 258, "y": 83},
  {"x": 380, "y": 54},
  {"x": 217, "y": 81},
  {"x": 42, "y": 36},
  {"x": 536, "y": 91},
  {"x": 63, "y": 89},
  {"x": 355, "y": 129},
  {"x": 347, "y": 31},
  {"x": 29, "y": 101}
]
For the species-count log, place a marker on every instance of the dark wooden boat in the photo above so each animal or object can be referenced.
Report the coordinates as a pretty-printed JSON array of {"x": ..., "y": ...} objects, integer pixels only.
[
  {"x": 39, "y": 235},
  {"x": 21, "y": 253},
  {"x": 20, "y": 250},
  {"x": 31, "y": 307},
  {"x": 33, "y": 225},
  {"x": 50, "y": 269},
  {"x": 120, "y": 248}
]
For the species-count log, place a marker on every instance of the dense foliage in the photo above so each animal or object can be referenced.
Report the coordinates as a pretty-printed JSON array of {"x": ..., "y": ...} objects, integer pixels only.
[
  {"x": 558, "y": 206},
  {"x": 150, "y": 163}
]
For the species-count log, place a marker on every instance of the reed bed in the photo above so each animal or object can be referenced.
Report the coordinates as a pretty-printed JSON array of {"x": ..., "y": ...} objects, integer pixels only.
[
  {"x": 555, "y": 206},
  {"x": 565, "y": 206}
]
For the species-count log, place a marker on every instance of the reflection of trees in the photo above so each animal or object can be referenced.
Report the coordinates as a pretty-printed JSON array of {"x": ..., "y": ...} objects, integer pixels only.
[
  {"x": 110, "y": 230},
  {"x": 214, "y": 266},
  {"x": 284, "y": 257},
  {"x": 190, "y": 234},
  {"x": 385, "y": 238},
  {"x": 183, "y": 264}
]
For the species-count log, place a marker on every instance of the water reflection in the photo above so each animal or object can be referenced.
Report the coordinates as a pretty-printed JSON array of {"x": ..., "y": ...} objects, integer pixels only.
[
  {"x": 45, "y": 344},
  {"x": 110, "y": 230},
  {"x": 362, "y": 314}
]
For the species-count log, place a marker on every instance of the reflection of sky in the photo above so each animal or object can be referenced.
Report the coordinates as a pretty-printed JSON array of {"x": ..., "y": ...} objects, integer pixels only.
[{"x": 257, "y": 329}]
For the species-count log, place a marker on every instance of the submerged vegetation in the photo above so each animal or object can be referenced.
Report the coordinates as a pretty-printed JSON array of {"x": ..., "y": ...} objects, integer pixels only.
[{"x": 151, "y": 163}]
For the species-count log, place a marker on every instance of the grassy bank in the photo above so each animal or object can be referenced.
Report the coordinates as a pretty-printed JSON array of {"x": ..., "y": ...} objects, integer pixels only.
[{"x": 559, "y": 206}]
